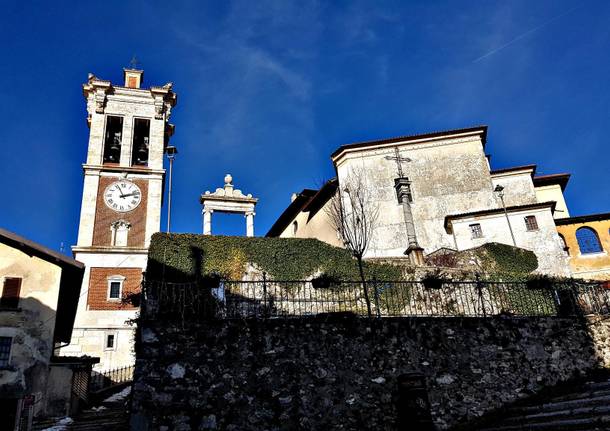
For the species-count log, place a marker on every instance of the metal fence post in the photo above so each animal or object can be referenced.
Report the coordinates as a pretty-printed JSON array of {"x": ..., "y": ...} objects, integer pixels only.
[
  {"x": 265, "y": 311},
  {"x": 576, "y": 303},
  {"x": 376, "y": 297},
  {"x": 480, "y": 294}
]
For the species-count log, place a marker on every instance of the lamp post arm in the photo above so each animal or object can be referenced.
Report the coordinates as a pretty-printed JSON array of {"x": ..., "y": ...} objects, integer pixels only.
[{"x": 510, "y": 228}]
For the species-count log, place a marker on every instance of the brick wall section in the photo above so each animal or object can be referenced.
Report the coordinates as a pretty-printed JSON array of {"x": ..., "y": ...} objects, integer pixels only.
[
  {"x": 328, "y": 373},
  {"x": 104, "y": 216},
  {"x": 98, "y": 287}
]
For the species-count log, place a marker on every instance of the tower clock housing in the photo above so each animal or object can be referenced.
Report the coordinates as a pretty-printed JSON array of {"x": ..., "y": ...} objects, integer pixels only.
[{"x": 129, "y": 130}]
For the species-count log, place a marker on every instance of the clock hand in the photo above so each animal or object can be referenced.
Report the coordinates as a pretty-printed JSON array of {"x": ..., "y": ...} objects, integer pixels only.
[{"x": 129, "y": 194}]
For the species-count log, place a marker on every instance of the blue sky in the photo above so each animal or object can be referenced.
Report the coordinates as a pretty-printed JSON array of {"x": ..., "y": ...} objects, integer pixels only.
[{"x": 267, "y": 90}]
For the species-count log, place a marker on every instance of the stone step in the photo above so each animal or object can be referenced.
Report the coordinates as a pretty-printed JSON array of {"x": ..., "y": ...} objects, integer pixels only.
[
  {"x": 589, "y": 424},
  {"x": 39, "y": 425},
  {"x": 580, "y": 395},
  {"x": 560, "y": 405},
  {"x": 597, "y": 385},
  {"x": 109, "y": 419},
  {"x": 576, "y": 413}
]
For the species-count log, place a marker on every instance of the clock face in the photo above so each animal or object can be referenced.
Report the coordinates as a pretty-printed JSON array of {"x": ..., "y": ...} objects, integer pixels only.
[{"x": 122, "y": 196}]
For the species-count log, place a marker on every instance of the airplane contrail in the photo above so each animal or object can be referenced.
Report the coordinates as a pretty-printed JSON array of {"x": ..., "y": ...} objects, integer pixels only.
[{"x": 527, "y": 33}]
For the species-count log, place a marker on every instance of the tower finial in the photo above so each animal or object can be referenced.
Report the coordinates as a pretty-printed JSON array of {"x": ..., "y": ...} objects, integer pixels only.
[{"x": 133, "y": 63}]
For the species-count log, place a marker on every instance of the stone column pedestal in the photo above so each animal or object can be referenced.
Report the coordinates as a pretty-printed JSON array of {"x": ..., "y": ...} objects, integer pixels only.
[
  {"x": 207, "y": 222},
  {"x": 250, "y": 224}
]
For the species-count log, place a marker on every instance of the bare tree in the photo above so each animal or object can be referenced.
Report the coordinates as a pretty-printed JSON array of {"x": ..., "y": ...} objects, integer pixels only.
[{"x": 353, "y": 212}]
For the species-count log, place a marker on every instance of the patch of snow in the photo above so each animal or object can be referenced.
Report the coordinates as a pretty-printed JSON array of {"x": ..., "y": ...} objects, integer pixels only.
[
  {"x": 445, "y": 379},
  {"x": 148, "y": 336},
  {"x": 119, "y": 396},
  {"x": 61, "y": 424},
  {"x": 98, "y": 409},
  {"x": 176, "y": 371}
]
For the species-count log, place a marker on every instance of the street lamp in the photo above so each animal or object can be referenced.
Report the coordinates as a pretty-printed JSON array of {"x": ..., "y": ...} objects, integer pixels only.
[
  {"x": 500, "y": 191},
  {"x": 171, "y": 152}
]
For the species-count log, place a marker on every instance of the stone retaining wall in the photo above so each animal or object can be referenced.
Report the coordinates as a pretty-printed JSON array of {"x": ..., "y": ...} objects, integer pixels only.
[{"x": 341, "y": 373}]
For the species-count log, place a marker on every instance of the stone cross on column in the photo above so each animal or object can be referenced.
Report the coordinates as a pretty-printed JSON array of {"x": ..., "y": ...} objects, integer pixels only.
[
  {"x": 402, "y": 185},
  {"x": 398, "y": 159}
]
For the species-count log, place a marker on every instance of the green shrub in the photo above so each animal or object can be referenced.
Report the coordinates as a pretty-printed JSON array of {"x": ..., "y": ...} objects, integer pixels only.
[
  {"x": 507, "y": 258},
  {"x": 187, "y": 257}
]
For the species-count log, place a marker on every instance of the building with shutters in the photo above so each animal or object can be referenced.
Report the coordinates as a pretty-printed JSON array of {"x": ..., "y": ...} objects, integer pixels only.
[{"x": 38, "y": 300}]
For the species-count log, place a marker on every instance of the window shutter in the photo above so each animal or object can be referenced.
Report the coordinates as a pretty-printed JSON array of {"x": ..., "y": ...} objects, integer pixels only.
[{"x": 10, "y": 293}]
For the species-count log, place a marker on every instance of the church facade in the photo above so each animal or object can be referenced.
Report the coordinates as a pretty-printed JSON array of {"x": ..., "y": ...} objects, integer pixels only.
[
  {"x": 434, "y": 191},
  {"x": 121, "y": 209}
]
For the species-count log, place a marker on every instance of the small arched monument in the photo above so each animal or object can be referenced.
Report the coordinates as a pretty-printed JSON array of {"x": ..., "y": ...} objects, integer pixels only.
[{"x": 228, "y": 200}]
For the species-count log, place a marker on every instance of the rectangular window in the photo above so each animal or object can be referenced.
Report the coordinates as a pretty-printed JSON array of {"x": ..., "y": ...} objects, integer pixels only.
[
  {"x": 5, "y": 350},
  {"x": 476, "y": 231},
  {"x": 115, "y": 290},
  {"x": 112, "y": 139},
  {"x": 141, "y": 138},
  {"x": 110, "y": 341},
  {"x": 10, "y": 292},
  {"x": 531, "y": 223}
]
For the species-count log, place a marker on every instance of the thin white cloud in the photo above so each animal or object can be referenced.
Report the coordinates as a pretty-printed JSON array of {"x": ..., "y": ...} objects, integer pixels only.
[{"x": 524, "y": 35}]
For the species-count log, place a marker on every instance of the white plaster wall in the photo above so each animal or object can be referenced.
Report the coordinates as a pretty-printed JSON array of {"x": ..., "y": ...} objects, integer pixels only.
[
  {"x": 157, "y": 139},
  {"x": 153, "y": 212},
  {"x": 518, "y": 188},
  {"x": 544, "y": 242},
  {"x": 91, "y": 342},
  {"x": 319, "y": 227},
  {"x": 448, "y": 176},
  {"x": 88, "y": 205},
  {"x": 553, "y": 193},
  {"x": 301, "y": 219},
  {"x": 33, "y": 327},
  {"x": 96, "y": 138}
]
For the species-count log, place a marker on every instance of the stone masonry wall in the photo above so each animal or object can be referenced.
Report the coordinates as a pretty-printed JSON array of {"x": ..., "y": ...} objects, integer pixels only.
[{"x": 341, "y": 373}]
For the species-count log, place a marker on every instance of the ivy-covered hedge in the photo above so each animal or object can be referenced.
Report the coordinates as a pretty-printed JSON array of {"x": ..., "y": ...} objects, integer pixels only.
[
  {"x": 186, "y": 257},
  {"x": 493, "y": 261},
  {"x": 504, "y": 258}
]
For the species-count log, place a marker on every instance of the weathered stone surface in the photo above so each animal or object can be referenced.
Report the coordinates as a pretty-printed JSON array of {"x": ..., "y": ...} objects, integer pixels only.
[{"x": 343, "y": 373}]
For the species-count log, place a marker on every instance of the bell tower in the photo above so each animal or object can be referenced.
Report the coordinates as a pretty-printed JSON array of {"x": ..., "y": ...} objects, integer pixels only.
[{"x": 129, "y": 130}]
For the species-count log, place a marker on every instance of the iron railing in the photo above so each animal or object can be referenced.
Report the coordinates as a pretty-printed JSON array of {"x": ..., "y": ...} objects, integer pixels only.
[
  {"x": 267, "y": 299},
  {"x": 106, "y": 379}
]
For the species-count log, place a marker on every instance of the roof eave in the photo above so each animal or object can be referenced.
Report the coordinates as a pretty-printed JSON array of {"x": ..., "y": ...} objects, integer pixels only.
[
  {"x": 514, "y": 208},
  {"x": 531, "y": 168},
  {"x": 582, "y": 219},
  {"x": 546, "y": 180},
  {"x": 480, "y": 130},
  {"x": 286, "y": 216}
]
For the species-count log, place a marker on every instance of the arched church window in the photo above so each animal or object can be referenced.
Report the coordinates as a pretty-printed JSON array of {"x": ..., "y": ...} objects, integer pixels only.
[
  {"x": 120, "y": 232},
  {"x": 588, "y": 241},
  {"x": 295, "y": 228}
]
